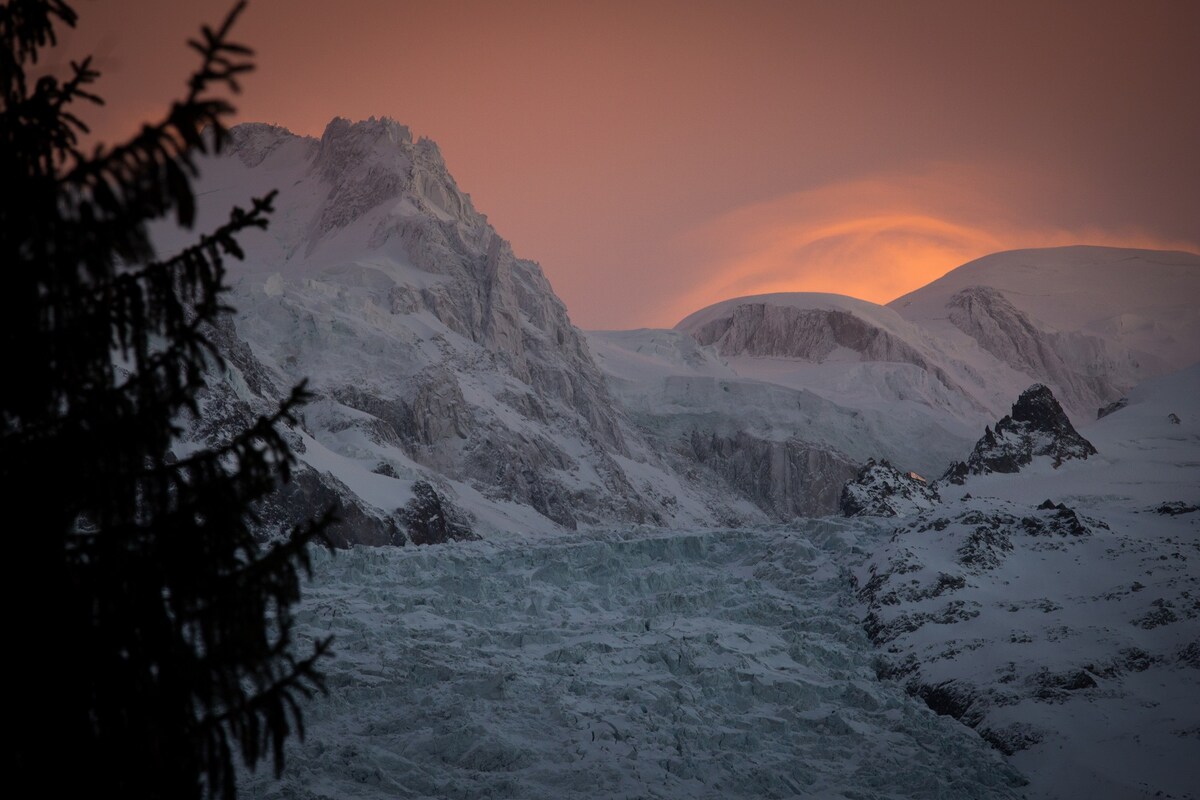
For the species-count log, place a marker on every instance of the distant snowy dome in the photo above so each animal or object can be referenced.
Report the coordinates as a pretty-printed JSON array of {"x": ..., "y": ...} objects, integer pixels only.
[
  {"x": 803, "y": 325},
  {"x": 1141, "y": 300},
  {"x": 1071, "y": 286}
]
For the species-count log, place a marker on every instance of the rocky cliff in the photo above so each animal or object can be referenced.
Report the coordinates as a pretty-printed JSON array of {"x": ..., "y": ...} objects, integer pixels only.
[{"x": 435, "y": 353}]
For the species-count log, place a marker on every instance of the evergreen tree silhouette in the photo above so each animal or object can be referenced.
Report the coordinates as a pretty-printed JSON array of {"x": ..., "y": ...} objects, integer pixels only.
[{"x": 150, "y": 638}]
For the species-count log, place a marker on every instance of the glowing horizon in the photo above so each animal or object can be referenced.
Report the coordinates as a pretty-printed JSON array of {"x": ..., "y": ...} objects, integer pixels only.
[{"x": 655, "y": 158}]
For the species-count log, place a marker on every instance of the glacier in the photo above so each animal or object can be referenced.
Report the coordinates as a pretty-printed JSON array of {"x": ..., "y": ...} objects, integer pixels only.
[{"x": 638, "y": 663}]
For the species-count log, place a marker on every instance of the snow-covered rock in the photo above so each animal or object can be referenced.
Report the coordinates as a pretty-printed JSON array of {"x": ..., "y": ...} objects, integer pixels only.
[
  {"x": 881, "y": 490},
  {"x": 1036, "y": 428}
]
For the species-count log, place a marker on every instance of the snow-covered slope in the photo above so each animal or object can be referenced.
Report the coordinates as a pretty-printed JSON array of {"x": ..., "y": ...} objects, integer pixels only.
[
  {"x": 1056, "y": 609},
  {"x": 435, "y": 352},
  {"x": 1087, "y": 321}
]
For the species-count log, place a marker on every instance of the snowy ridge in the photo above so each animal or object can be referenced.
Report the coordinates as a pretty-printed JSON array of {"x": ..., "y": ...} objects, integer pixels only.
[
  {"x": 1057, "y": 610},
  {"x": 1089, "y": 322}
]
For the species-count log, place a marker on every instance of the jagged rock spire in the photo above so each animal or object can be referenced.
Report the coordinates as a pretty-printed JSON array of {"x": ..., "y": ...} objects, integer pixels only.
[{"x": 1037, "y": 426}]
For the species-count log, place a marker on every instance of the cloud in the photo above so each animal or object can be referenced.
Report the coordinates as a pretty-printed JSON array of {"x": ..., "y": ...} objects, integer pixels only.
[{"x": 876, "y": 238}]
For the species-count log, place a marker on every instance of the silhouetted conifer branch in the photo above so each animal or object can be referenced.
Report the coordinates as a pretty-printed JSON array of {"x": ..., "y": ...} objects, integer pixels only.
[{"x": 171, "y": 646}]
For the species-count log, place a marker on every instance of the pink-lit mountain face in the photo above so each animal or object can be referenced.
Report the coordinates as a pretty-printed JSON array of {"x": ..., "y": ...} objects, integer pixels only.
[{"x": 438, "y": 355}]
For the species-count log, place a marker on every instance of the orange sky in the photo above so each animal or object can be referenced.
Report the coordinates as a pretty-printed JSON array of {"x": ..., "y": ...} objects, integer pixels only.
[{"x": 657, "y": 156}]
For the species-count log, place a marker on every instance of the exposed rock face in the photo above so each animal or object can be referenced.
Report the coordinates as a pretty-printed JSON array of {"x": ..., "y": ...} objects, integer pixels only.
[
  {"x": 429, "y": 518},
  {"x": 881, "y": 490},
  {"x": 1036, "y": 427},
  {"x": 786, "y": 479},
  {"x": 811, "y": 334},
  {"x": 808, "y": 334},
  {"x": 1112, "y": 408},
  {"x": 231, "y": 403},
  {"x": 1075, "y": 362},
  {"x": 434, "y": 352},
  {"x": 492, "y": 298}
]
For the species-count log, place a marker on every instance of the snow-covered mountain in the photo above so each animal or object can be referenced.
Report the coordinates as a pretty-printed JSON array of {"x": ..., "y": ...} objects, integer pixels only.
[
  {"x": 1089, "y": 322},
  {"x": 439, "y": 356},
  {"x": 912, "y": 382},
  {"x": 434, "y": 352}
]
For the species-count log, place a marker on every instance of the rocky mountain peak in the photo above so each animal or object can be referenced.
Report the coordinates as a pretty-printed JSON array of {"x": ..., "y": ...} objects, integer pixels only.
[
  {"x": 437, "y": 356},
  {"x": 1038, "y": 408},
  {"x": 1037, "y": 426}
]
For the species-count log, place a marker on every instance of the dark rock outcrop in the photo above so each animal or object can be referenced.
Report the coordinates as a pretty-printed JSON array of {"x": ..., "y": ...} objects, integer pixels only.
[
  {"x": 881, "y": 490},
  {"x": 429, "y": 518},
  {"x": 1114, "y": 406},
  {"x": 1036, "y": 427}
]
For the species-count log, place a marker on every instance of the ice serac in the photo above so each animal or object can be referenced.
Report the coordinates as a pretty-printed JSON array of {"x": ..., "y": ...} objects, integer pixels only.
[
  {"x": 787, "y": 479},
  {"x": 439, "y": 359},
  {"x": 1036, "y": 428},
  {"x": 764, "y": 328},
  {"x": 783, "y": 447}
]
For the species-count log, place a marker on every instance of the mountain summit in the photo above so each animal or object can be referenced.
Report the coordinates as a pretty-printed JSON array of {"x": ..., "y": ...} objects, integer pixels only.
[
  {"x": 1037, "y": 427},
  {"x": 437, "y": 356}
]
